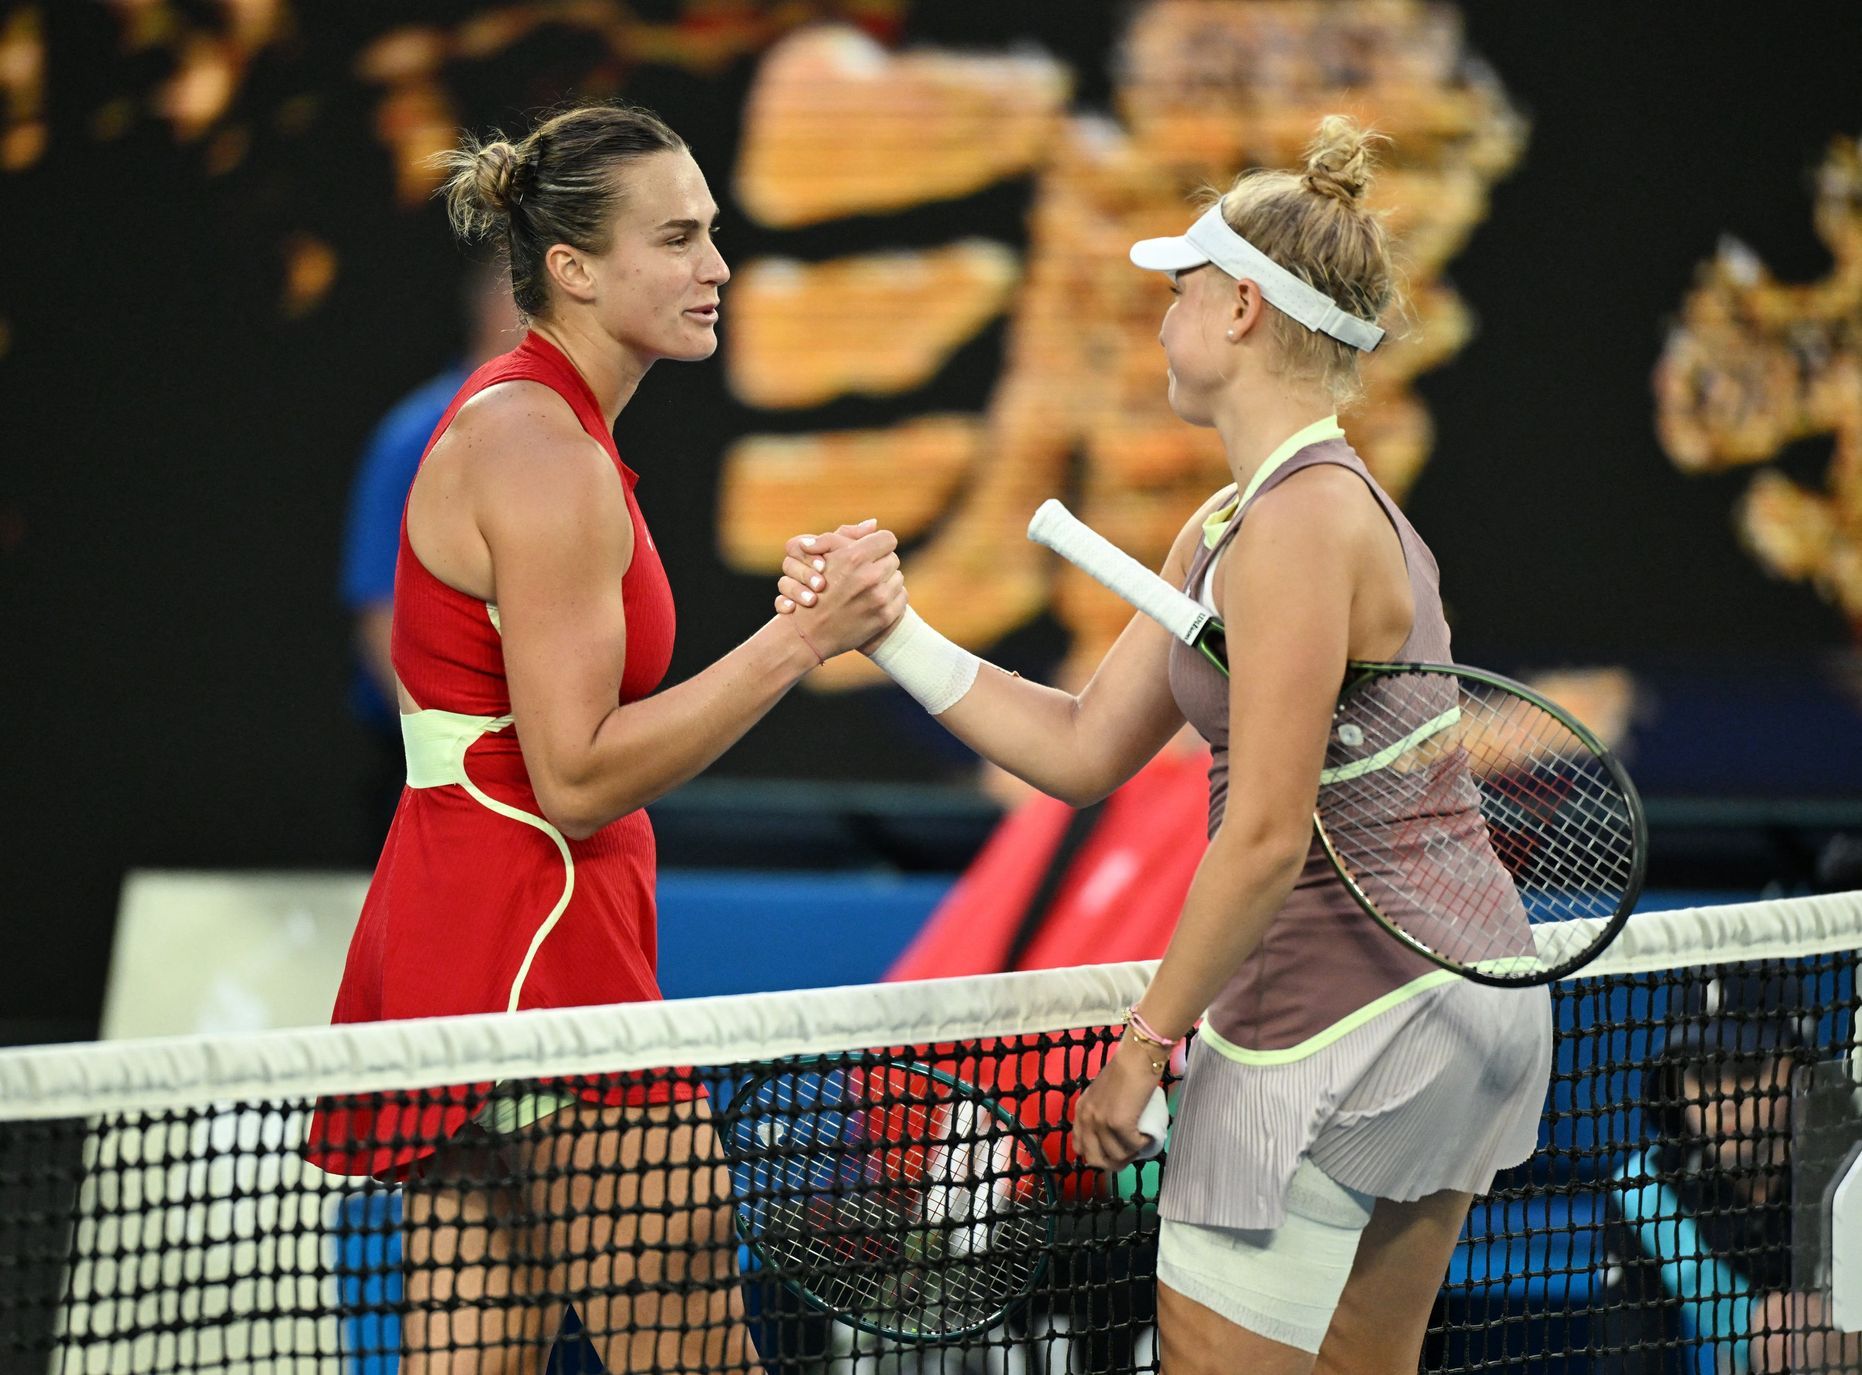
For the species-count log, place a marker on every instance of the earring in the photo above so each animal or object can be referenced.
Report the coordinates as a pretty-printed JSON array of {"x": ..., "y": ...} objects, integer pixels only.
[{"x": 1231, "y": 336}]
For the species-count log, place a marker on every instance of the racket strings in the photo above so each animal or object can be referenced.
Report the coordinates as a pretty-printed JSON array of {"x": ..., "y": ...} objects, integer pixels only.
[
  {"x": 891, "y": 1197},
  {"x": 1547, "y": 855},
  {"x": 1572, "y": 826},
  {"x": 1468, "y": 816},
  {"x": 1568, "y": 797},
  {"x": 1563, "y": 866},
  {"x": 849, "y": 1254}
]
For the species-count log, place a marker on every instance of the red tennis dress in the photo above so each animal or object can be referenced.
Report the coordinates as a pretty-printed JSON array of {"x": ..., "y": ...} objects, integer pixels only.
[{"x": 478, "y": 903}]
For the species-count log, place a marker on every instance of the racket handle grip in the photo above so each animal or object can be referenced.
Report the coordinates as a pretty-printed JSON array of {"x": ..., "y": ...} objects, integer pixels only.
[
  {"x": 1154, "y": 1122},
  {"x": 1092, "y": 553}
]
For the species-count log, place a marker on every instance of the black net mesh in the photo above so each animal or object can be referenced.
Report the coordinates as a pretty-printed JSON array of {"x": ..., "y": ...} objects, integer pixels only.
[
  {"x": 773, "y": 1215},
  {"x": 1654, "y": 1230},
  {"x": 913, "y": 1206}
]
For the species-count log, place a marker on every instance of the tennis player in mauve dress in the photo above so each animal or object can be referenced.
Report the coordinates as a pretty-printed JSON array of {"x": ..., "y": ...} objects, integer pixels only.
[{"x": 1345, "y": 1098}]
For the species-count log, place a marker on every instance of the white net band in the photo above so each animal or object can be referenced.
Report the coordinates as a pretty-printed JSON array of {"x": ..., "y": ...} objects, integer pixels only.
[{"x": 71, "y": 1081}]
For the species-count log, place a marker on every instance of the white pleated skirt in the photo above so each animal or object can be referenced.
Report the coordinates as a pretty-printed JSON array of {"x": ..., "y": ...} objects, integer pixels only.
[{"x": 1441, "y": 1091}]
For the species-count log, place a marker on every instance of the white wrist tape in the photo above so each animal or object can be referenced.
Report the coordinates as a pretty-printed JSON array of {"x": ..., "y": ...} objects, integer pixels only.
[{"x": 933, "y": 669}]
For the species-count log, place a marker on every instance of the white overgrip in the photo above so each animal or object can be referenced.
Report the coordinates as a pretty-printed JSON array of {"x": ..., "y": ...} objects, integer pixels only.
[{"x": 1092, "y": 553}]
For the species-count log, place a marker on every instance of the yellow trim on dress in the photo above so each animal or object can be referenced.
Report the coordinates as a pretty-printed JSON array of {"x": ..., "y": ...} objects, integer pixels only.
[
  {"x": 1317, "y": 1042},
  {"x": 1389, "y": 754},
  {"x": 436, "y": 743},
  {"x": 1316, "y": 433}
]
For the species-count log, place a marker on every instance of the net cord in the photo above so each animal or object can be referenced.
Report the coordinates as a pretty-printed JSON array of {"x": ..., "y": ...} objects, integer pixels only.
[
  {"x": 177, "y": 1071},
  {"x": 49, "y": 1082}
]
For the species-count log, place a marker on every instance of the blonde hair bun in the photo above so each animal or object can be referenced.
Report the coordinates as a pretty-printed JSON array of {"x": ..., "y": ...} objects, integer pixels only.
[
  {"x": 1341, "y": 159},
  {"x": 1315, "y": 224}
]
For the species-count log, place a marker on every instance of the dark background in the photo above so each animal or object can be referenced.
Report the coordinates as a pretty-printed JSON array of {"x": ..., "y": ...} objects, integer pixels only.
[{"x": 177, "y": 451}]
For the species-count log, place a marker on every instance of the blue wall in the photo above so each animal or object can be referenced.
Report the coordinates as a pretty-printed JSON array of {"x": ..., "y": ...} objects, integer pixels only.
[{"x": 743, "y": 931}]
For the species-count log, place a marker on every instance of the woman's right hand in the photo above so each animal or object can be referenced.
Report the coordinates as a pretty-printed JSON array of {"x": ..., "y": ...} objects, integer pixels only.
[
  {"x": 861, "y": 592},
  {"x": 804, "y": 565}
]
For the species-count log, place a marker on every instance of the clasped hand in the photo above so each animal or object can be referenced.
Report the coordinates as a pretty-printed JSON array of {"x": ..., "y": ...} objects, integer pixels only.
[{"x": 845, "y": 588}]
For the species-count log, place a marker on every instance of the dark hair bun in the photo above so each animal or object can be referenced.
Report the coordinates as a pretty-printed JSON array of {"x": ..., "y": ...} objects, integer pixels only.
[
  {"x": 482, "y": 185},
  {"x": 557, "y": 184}
]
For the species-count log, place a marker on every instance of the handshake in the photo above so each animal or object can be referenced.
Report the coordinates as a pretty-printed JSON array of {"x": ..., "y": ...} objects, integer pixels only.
[{"x": 844, "y": 590}]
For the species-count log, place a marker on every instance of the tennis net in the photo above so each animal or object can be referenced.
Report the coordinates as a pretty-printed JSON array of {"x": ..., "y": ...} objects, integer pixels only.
[{"x": 878, "y": 1179}]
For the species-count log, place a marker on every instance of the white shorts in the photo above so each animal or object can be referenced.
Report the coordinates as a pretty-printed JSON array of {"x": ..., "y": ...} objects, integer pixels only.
[{"x": 1283, "y": 1283}]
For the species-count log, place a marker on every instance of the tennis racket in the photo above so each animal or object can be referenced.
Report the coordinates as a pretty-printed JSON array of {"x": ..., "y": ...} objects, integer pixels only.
[
  {"x": 891, "y": 1195},
  {"x": 1477, "y": 822}
]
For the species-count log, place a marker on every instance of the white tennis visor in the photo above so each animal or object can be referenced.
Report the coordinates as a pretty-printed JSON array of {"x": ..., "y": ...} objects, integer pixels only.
[{"x": 1210, "y": 240}]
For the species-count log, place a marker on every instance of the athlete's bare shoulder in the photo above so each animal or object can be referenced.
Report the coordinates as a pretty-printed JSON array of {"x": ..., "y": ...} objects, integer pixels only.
[
  {"x": 509, "y": 420},
  {"x": 515, "y": 469},
  {"x": 1331, "y": 495}
]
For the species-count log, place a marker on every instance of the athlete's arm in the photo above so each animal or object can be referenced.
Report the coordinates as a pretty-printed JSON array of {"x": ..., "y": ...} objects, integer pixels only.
[
  {"x": 1287, "y": 584},
  {"x": 1081, "y": 747},
  {"x": 554, "y": 519},
  {"x": 1297, "y": 584}
]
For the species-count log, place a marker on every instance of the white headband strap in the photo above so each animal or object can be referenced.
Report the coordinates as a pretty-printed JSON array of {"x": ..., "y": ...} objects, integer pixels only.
[{"x": 1221, "y": 245}]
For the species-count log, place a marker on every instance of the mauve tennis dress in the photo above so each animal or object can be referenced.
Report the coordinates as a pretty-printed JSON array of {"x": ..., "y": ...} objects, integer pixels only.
[{"x": 1396, "y": 1077}]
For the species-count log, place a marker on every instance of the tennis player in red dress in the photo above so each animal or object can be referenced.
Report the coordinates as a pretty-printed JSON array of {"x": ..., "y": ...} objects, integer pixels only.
[{"x": 532, "y": 624}]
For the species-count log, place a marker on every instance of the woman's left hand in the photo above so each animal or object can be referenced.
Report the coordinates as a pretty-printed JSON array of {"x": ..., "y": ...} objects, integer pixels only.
[{"x": 1105, "y": 1120}]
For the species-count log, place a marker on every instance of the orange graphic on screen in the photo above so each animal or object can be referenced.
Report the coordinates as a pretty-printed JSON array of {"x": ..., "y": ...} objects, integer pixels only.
[
  {"x": 192, "y": 67},
  {"x": 1203, "y": 87},
  {"x": 22, "y": 89},
  {"x": 414, "y": 65},
  {"x": 1756, "y": 364}
]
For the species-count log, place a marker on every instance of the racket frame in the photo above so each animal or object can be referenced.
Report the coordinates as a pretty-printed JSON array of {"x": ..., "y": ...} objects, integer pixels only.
[
  {"x": 1199, "y": 628},
  {"x": 1360, "y": 674},
  {"x": 1042, "y": 1173}
]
